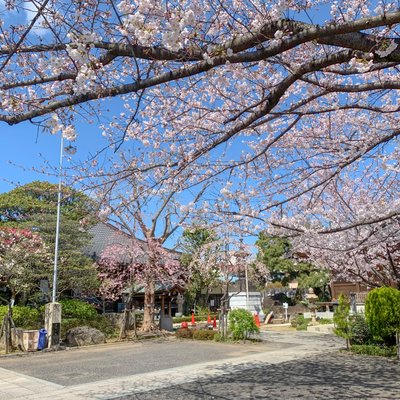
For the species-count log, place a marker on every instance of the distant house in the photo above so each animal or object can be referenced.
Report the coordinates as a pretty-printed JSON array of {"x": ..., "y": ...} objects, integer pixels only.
[{"x": 104, "y": 235}]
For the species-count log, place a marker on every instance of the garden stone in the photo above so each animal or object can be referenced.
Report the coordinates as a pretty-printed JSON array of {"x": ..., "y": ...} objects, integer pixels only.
[{"x": 84, "y": 336}]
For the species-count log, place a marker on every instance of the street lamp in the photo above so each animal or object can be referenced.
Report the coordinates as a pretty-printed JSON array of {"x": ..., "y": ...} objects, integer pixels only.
[
  {"x": 55, "y": 271},
  {"x": 242, "y": 256},
  {"x": 53, "y": 309}
]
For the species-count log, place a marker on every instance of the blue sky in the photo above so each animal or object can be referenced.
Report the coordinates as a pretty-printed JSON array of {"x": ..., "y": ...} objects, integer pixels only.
[{"x": 23, "y": 147}]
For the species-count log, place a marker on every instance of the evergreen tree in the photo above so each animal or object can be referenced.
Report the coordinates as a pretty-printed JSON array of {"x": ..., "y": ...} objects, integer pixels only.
[
  {"x": 191, "y": 243},
  {"x": 34, "y": 207},
  {"x": 276, "y": 254}
]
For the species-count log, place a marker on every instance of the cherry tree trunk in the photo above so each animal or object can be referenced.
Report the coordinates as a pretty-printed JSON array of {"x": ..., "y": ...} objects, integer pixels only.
[
  {"x": 149, "y": 299},
  {"x": 125, "y": 323}
]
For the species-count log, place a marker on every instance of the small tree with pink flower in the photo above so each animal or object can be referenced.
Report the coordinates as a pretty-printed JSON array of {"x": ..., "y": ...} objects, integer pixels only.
[
  {"x": 138, "y": 264},
  {"x": 23, "y": 255}
]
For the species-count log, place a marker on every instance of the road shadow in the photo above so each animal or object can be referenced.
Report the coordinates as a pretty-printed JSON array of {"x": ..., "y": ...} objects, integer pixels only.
[{"x": 326, "y": 376}]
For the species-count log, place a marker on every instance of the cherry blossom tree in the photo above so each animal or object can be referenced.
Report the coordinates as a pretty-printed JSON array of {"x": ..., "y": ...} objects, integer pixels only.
[
  {"x": 150, "y": 215},
  {"x": 229, "y": 259},
  {"x": 137, "y": 264},
  {"x": 22, "y": 256},
  {"x": 337, "y": 234},
  {"x": 284, "y": 106}
]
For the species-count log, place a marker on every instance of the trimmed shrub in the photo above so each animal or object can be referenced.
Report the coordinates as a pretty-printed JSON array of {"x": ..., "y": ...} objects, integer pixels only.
[
  {"x": 78, "y": 309},
  {"x": 184, "y": 333},
  {"x": 300, "y": 323},
  {"x": 79, "y": 313},
  {"x": 204, "y": 334},
  {"x": 374, "y": 350},
  {"x": 101, "y": 323},
  {"x": 24, "y": 317},
  {"x": 325, "y": 321},
  {"x": 359, "y": 330},
  {"x": 219, "y": 338},
  {"x": 241, "y": 324},
  {"x": 382, "y": 312}
]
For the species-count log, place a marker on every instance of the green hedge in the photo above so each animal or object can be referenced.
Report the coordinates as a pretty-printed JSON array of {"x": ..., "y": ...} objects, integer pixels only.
[
  {"x": 374, "y": 350},
  {"x": 204, "y": 334},
  {"x": 79, "y": 313},
  {"x": 24, "y": 317},
  {"x": 300, "y": 323},
  {"x": 78, "y": 309},
  {"x": 101, "y": 323},
  {"x": 74, "y": 313},
  {"x": 184, "y": 333},
  {"x": 197, "y": 334}
]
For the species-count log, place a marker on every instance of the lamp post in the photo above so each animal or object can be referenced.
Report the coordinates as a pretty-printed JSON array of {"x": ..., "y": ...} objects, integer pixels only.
[
  {"x": 242, "y": 256},
  {"x": 53, "y": 309},
  {"x": 55, "y": 271}
]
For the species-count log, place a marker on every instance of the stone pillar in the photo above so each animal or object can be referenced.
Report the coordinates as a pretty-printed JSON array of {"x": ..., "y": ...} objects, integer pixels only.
[
  {"x": 52, "y": 320},
  {"x": 353, "y": 304},
  {"x": 179, "y": 302}
]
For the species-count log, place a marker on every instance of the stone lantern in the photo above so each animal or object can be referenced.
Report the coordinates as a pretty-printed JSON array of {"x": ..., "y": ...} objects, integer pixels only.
[{"x": 312, "y": 298}]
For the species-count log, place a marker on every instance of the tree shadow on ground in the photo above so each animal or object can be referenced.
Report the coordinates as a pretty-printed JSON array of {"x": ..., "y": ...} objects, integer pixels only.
[{"x": 329, "y": 376}]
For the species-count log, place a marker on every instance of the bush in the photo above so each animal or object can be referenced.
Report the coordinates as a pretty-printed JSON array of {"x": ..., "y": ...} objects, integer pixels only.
[
  {"x": 382, "y": 312},
  {"x": 325, "y": 321},
  {"x": 24, "y": 317},
  {"x": 69, "y": 323},
  {"x": 78, "y": 309},
  {"x": 219, "y": 338},
  {"x": 79, "y": 313},
  {"x": 359, "y": 331},
  {"x": 204, "y": 334},
  {"x": 300, "y": 323},
  {"x": 241, "y": 324},
  {"x": 374, "y": 350},
  {"x": 184, "y": 333}
]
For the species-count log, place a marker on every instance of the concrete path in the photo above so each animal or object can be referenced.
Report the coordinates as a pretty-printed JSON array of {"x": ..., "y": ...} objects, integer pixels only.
[{"x": 246, "y": 362}]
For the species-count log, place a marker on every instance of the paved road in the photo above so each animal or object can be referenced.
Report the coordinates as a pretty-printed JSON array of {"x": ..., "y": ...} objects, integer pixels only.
[
  {"x": 330, "y": 377},
  {"x": 90, "y": 364},
  {"x": 286, "y": 366}
]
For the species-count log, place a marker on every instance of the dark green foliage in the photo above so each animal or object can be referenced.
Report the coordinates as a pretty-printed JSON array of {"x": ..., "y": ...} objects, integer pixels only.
[
  {"x": 276, "y": 254},
  {"x": 34, "y": 206},
  {"x": 191, "y": 243},
  {"x": 300, "y": 323},
  {"x": 74, "y": 313},
  {"x": 40, "y": 198},
  {"x": 78, "y": 309},
  {"x": 382, "y": 312},
  {"x": 219, "y": 338},
  {"x": 79, "y": 313},
  {"x": 325, "y": 321},
  {"x": 204, "y": 334},
  {"x": 24, "y": 317},
  {"x": 69, "y": 323},
  {"x": 241, "y": 324},
  {"x": 359, "y": 330},
  {"x": 100, "y": 322},
  {"x": 341, "y": 319},
  {"x": 184, "y": 333},
  {"x": 374, "y": 350}
]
